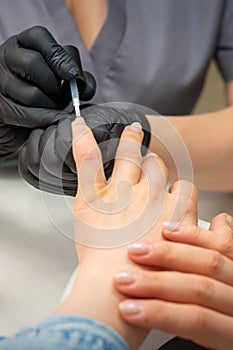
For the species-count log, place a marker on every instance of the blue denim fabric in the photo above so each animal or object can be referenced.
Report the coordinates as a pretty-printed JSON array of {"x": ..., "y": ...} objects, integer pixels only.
[{"x": 65, "y": 332}]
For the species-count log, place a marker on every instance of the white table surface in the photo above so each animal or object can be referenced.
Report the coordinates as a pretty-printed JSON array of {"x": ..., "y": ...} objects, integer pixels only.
[{"x": 36, "y": 260}]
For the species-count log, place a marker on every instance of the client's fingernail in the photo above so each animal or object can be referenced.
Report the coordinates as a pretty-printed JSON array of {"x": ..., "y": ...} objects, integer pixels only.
[
  {"x": 229, "y": 220},
  {"x": 140, "y": 248},
  {"x": 80, "y": 120},
  {"x": 130, "y": 308},
  {"x": 170, "y": 227},
  {"x": 136, "y": 127},
  {"x": 125, "y": 277},
  {"x": 151, "y": 154}
]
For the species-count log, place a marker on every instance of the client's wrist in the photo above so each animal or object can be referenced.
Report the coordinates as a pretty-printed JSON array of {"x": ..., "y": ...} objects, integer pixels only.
[{"x": 94, "y": 296}]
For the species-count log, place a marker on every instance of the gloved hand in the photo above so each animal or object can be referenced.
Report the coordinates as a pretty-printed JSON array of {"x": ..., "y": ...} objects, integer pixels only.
[
  {"x": 32, "y": 66},
  {"x": 46, "y": 160}
]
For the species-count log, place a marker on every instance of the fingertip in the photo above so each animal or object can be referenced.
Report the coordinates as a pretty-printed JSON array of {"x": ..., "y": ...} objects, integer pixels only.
[
  {"x": 79, "y": 125},
  {"x": 174, "y": 231},
  {"x": 136, "y": 127},
  {"x": 79, "y": 128},
  {"x": 140, "y": 248},
  {"x": 222, "y": 223},
  {"x": 130, "y": 308},
  {"x": 169, "y": 228},
  {"x": 133, "y": 131}
]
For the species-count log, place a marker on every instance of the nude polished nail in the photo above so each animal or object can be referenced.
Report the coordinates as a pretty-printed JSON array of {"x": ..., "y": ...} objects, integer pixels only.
[
  {"x": 136, "y": 127},
  {"x": 80, "y": 120},
  {"x": 130, "y": 308},
  {"x": 140, "y": 248},
  {"x": 171, "y": 227},
  {"x": 125, "y": 277}
]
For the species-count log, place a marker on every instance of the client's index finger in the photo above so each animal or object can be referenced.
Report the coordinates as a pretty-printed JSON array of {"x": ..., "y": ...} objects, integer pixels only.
[{"x": 87, "y": 156}]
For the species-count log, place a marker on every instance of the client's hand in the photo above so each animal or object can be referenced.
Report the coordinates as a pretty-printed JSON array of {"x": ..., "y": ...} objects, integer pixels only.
[
  {"x": 193, "y": 295},
  {"x": 132, "y": 204}
]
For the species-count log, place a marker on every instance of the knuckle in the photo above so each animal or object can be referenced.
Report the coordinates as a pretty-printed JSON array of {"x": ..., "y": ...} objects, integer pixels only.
[
  {"x": 190, "y": 205},
  {"x": 88, "y": 160},
  {"x": 34, "y": 34},
  {"x": 38, "y": 32},
  {"x": 34, "y": 96},
  {"x": 202, "y": 288},
  {"x": 226, "y": 246},
  {"x": 214, "y": 263},
  {"x": 57, "y": 56},
  {"x": 199, "y": 321},
  {"x": 130, "y": 152},
  {"x": 31, "y": 60},
  {"x": 90, "y": 156},
  {"x": 79, "y": 205},
  {"x": 195, "y": 232},
  {"x": 166, "y": 253},
  {"x": 156, "y": 190}
]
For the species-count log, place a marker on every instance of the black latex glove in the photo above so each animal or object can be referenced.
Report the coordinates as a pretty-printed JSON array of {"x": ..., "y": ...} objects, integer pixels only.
[
  {"x": 32, "y": 67},
  {"x": 47, "y": 155}
]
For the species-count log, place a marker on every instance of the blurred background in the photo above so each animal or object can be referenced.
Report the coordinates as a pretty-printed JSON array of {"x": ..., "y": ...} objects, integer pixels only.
[
  {"x": 212, "y": 96},
  {"x": 211, "y": 99}
]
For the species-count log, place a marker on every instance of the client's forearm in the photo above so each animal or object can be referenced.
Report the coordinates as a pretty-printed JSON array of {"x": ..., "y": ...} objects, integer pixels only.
[{"x": 93, "y": 294}]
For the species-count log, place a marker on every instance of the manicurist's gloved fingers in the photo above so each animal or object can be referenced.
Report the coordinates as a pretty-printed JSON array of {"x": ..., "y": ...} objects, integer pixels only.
[
  {"x": 27, "y": 94},
  {"x": 36, "y": 165},
  {"x": 87, "y": 157},
  {"x": 40, "y": 39},
  {"x": 36, "y": 173},
  {"x": 63, "y": 143},
  {"x": 32, "y": 67},
  {"x": 128, "y": 159},
  {"x": 12, "y": 113}
]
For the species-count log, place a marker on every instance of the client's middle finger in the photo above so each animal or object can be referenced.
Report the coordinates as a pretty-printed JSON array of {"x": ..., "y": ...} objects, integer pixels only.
[{"x": 127, "y": 166}]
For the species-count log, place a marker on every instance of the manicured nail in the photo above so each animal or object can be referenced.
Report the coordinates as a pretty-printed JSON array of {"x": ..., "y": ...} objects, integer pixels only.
[
  {"x": 229, "y": 220},
  {"x": 171, "y": 227},
  {"x": 130, "y": 308},
  {"x": 136, "y": 127},
  {"x": 151, "y": 154},
  {"x": 140, "y": 248},
  {"x": 125, "y": 277},
  {"x": 80, "y": 120}
]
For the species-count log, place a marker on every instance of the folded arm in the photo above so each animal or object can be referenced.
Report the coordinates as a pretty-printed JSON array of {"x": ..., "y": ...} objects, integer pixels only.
[{"x": 208, "y": 138}]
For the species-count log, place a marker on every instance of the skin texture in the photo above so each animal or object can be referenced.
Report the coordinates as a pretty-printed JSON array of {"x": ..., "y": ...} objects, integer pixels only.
[
  {"x": 97, "y": 266},
  {"x": 95, "y": 11},
  {"x": 194, "y": 283}
]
